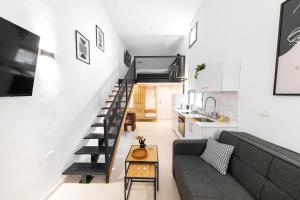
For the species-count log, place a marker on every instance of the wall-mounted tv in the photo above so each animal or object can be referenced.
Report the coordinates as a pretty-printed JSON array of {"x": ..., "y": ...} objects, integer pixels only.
[{"x": 18, "y": 57}]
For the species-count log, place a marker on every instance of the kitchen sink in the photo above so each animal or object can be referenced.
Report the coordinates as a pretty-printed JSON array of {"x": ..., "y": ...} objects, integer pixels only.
[
  {"x": 202, "y": 119},
  {"x": 185, "y": 113}
]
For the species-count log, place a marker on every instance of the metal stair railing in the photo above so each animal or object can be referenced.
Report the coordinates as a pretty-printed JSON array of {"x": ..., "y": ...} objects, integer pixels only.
[{"x": 114, "y": 118}]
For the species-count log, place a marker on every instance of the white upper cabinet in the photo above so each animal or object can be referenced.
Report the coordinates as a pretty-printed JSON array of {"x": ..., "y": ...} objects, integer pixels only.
[
  {"x": 222, "y": 76},
  {"x": 210, "y": 79}
]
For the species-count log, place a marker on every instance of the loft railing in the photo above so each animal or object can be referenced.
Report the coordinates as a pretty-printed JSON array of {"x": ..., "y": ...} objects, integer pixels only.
[
  {"x": 160, "y": 68},
  {"x": 114, "y": 118}
]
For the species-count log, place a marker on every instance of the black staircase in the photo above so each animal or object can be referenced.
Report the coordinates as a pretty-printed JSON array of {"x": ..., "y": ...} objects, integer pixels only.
[{"x": 107, "y": 132}]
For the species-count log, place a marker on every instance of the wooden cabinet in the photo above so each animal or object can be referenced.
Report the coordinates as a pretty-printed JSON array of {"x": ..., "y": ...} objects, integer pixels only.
[
  {"x": 144, "y": 102},
  {"x": 222, "y": 76}
]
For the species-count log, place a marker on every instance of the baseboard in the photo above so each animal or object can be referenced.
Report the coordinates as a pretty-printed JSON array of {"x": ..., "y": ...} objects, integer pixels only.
[{"x": 53, "y": 189}]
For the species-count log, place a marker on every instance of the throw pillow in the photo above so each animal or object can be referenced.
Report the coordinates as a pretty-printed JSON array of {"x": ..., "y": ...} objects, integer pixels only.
[{"x": 217, "y": 155}]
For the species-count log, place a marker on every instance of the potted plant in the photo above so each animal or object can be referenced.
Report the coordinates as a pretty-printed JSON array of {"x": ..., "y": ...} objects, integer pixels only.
[
  {"x": 141, "y": 141},
  {"x": 198, "y": 69}
]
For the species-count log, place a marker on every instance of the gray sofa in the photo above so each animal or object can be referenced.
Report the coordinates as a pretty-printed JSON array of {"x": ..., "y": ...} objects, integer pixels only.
[{"x": 257, "y": 170}]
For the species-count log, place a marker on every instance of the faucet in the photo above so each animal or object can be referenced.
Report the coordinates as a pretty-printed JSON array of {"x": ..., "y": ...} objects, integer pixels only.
[{"x": 215, "y": 104}]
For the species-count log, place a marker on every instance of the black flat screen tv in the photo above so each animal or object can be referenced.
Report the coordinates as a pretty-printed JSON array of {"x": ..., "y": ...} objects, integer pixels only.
[
  {"x": 18, "y": 57},
  {"x": 127, "y": 58}
]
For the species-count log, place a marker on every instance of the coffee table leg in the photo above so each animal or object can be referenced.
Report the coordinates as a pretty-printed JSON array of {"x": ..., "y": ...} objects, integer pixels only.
[
  {"x": 157, "y": 168},
  {"x": 155, "y": 183},
  {"x": 125, "y": 188}
]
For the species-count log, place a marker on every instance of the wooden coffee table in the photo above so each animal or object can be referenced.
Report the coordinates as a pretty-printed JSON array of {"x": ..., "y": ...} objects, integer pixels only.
[{"x": 141, "y": 170}]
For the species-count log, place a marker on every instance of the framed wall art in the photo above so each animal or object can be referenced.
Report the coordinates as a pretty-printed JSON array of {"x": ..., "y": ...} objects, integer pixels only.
[
  {"x": 287, "y": 73},
  {"x": 193, "y": 35},
  {"x": 99, "y": 38},
  {"x": 82, "y": 47}
]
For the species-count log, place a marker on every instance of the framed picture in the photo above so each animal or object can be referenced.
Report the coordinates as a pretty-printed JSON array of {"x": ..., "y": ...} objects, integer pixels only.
[
  {"x": 82, "y": 48},
  {"x": 99, "y": 38},
  {"x": 193, "y": 35},
  {"x": 287, "y": 72}
]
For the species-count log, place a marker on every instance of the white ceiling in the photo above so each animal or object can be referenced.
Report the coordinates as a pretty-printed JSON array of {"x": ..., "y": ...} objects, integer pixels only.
[{"x": 152, "y": 27}]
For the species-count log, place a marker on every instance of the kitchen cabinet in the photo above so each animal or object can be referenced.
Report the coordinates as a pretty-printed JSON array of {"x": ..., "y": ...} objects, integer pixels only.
[
  {"x": 175, "y": 121},
  {"x": 214, "y": 132},
  {"x": 192, "y": 130},
  {"x": 222, "y": 76},
  {"x": 210, "y": 79},
  {"x": 196, "y": 130}
]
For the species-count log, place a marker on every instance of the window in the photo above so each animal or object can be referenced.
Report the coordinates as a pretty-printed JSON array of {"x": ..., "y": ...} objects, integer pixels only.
[
  {"x": 193, "y": 35},
  {"x": 196, "y": 99}
]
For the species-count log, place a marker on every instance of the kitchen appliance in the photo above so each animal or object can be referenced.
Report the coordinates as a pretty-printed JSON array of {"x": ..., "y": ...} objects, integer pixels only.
[{"x": 181, "y": 125}]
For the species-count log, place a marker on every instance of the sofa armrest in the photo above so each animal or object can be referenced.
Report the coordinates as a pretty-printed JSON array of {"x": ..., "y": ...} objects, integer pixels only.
[{"x": 189, "y": 147}]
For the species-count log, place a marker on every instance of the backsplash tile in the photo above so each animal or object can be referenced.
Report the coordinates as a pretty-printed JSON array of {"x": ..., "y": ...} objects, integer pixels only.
[{"x": 227, "y": 104}]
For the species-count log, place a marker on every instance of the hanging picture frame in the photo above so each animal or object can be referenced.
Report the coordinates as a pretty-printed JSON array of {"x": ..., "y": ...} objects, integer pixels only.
[
  {"x": 82, "y": 48},
  {"x": 99, "y": 38},
  {"x": 287, "y": 72},
  {"x": 193, "y": 35}
]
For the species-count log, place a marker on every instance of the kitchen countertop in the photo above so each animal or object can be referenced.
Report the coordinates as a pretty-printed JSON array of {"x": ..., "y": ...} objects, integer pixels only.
[{"x": 215, "y": 124}]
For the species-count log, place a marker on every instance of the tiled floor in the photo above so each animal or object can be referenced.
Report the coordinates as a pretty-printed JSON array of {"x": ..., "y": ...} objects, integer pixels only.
[{"x": 158, "y": 133}]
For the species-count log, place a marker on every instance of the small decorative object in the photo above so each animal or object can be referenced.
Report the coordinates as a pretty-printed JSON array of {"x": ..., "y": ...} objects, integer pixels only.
[
  {"x": 287, "y": 74},
  {"x": 99, "y": 38},
  {"x": 141, "y": 141},
  {"x": 198, "y": 69},
  {"x": 139, "y": 153},
  {"x": 82, "y": 48}
]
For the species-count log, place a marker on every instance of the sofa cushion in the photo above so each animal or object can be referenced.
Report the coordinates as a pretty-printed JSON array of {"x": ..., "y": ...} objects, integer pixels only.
[
  {"x": 271, "y": 192},
  {"x": 255, "y": 158},
  {"x": 286, "y": 177},
  {"x": 200, "y": 185},
  {"x": 214, "y": 186},
  {"x": 227, "y": 138},
  {"x": 200, "y": 181},
  {"x": 217, "y": 155},
  {"x": 229, "y": 187},
  {"x": 247, "y": 177},
  {"x": 193, "y": 163}
]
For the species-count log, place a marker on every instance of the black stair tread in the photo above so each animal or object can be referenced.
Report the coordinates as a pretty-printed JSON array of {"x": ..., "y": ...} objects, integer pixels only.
[
  {"x": 85, "y": 169},
  {"x": 91, "y": 150},
  {"x": 110, "y": 101},
  {"x": 105, "y": 108},
  {"x": 102, "y": 124},
  {"x": 112, "y": 135},
  {"x": 98, "y": 125},
  {"x": 94, "y": 136},
  {"x": 111, "y": 95},
  {"x": 101, "y": 115}
]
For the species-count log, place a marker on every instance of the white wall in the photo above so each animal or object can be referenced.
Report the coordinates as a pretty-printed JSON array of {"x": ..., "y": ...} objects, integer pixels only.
[
  {"x": 67, "y": 94},
  {"x": 248, "y": 30}
]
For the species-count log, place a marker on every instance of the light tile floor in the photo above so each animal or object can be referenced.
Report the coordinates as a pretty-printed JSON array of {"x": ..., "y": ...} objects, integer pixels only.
[{"x": 159, "y": 133}]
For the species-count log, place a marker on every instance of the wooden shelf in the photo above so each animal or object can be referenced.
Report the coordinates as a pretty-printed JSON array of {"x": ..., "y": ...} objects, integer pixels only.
[{"x": 141, "y": 171}]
